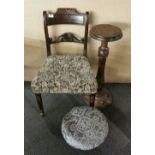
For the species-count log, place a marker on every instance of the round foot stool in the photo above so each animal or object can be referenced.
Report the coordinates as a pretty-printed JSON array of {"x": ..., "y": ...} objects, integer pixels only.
[{"x": 84, "y": 128}]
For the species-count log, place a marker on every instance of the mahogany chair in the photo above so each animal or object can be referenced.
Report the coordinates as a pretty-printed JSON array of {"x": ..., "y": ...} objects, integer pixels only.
[{"x": 65, "y": 73}]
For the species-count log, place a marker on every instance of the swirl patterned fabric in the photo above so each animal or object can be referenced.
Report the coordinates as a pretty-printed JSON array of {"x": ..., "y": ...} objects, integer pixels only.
[
  {"x": 84, "y": 128},
  {"x": 65, "y": 74}
]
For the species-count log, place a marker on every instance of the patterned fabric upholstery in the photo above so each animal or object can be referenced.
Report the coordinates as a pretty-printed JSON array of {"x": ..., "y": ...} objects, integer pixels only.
[
  {"x": 65, "y": 74},
  {"x": 84, "y": 128}
]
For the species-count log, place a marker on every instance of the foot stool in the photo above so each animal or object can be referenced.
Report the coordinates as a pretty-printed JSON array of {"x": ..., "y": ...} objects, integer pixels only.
[{"x": 84, "y": 128}]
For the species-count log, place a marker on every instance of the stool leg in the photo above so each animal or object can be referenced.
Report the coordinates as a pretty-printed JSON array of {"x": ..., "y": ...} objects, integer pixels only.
[
  {"x": 92, "y": 100},
  {"x": 40, "y": 104}
]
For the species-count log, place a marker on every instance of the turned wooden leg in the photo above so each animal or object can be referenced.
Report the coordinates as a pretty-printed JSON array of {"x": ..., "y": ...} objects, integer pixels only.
[
  {"x": 102, "y": 54},
  {"x": 92, "y": 100},
  {"x": 103, "y": 96},
  {"x": 40, "y": 104}
]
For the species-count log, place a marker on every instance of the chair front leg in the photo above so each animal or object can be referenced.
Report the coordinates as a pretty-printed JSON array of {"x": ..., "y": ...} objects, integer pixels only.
[
  {"x": 40, "y": 104},
  {"x": 92, "y": 100}
]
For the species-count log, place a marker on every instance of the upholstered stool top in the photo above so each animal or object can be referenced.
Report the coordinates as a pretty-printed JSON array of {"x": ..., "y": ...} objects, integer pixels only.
[
  {"x": 65, "y": 74},
  {"x": 84, "y": 127}
]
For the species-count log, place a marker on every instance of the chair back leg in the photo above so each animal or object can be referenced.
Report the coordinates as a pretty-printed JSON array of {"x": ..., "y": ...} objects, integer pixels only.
[
  {"x": 40, "y": 104},
  {"x": 92, "y": 100}
]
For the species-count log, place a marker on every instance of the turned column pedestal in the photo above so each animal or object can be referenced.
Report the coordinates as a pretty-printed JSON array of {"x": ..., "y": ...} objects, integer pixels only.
[{"x": 104, "y": 33}]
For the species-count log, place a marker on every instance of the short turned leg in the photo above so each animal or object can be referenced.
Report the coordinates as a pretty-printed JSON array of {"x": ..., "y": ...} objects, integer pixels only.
[
  {"x": 92, "y": 100},
  {"x": 40, "y": 104}
]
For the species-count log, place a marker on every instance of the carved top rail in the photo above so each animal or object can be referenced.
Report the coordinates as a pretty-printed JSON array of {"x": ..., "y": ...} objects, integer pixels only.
[
  {"x": 67, "y": 11},
  {"x": 65, "y": 16}
]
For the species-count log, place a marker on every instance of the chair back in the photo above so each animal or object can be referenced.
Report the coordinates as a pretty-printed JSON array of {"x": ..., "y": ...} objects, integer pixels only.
[{"x": 66, "y": 16}]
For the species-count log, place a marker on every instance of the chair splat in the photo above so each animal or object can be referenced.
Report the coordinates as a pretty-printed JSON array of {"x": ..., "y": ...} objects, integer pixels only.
[{"x": 68, "y": 37}]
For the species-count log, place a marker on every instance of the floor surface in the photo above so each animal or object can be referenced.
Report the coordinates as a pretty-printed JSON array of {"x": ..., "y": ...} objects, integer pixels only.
[{"x": 43, "y": 135}]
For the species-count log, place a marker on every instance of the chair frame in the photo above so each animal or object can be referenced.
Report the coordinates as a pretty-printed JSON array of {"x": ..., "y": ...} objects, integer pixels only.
[{"x": 65, "y": 16}]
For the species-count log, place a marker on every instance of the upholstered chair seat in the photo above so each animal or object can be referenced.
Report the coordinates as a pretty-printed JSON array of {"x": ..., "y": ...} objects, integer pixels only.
[
  {"x": 65, "y": 74},
  {"x": 84, "y": 127}
]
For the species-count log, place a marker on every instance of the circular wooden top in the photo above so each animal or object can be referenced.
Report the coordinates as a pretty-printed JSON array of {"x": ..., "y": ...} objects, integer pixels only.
[{"x": 106, "y": 32}]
